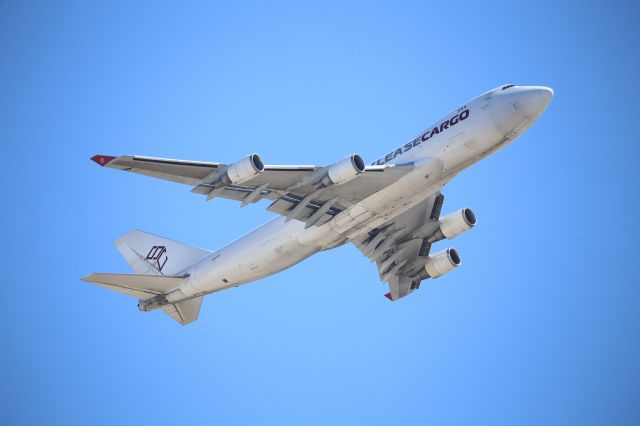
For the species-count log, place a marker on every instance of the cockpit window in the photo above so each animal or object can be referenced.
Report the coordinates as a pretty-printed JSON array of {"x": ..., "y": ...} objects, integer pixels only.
[{"x": 507, "y": 86}]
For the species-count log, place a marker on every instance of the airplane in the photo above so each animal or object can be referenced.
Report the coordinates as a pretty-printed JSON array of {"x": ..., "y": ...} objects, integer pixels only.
[{"x": 389, "y": 209}]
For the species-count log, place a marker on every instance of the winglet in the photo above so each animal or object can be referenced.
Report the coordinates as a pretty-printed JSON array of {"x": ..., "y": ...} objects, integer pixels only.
[
  {"x": 388, "y": 296},
  {"x": 102, "y": 160}
]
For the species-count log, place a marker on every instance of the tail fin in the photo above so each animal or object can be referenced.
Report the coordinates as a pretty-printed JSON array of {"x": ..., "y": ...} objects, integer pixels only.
[
  {"x": 184, "y": 312},
  {"x": 147, "y": 286},
  {"x": 158, "y": 263},
  {"x": 150, "y": 254}
]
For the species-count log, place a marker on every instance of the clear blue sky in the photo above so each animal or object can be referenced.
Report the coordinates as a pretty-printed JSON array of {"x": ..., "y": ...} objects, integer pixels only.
[{"x": 539, "y": 325}]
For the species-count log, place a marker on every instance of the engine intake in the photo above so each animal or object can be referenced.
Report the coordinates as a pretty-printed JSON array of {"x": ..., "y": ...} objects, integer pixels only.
[
  {"x": 243, "y": 170},
  {"x": 454, "y": 224},
  {"x": 439, "y": 264},
  {"x": 343, "y": 171}
]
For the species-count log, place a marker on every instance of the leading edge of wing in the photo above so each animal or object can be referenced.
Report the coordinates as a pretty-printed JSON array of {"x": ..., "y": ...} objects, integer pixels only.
[
  {"x": 181, "y": 171},
  {"x": 104, "y": 160}
]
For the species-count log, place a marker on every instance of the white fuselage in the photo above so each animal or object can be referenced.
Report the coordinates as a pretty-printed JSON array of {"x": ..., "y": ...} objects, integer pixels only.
[{"x": 463, "y": 137}]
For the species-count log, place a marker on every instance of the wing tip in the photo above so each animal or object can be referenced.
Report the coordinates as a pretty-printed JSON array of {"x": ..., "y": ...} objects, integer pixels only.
[
  {"x": 88, "y": 278},
  {"x": 102, "y": 160},
  {"x": 388, "y": 296}
]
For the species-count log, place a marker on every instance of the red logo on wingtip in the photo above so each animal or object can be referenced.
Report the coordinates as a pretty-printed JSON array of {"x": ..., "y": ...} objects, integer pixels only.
[
  {"x": 388, "y": 296},
  {"x": 102, "y": 160}
]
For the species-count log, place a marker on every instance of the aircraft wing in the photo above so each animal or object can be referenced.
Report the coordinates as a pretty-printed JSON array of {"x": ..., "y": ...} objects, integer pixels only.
[
  {"x": 400, "y": 247},
  {"x": 296, "y": 191}
]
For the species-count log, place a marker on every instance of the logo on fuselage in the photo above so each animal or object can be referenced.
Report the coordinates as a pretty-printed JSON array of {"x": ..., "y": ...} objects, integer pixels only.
[
  {"x": 461, "y": 116},
  {"x": 157, "y": 257}
]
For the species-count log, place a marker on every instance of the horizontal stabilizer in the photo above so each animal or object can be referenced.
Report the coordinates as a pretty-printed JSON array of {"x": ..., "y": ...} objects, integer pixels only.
[
  {"x": 140, "y": 286},
  {"x": 184, "y": 312}
]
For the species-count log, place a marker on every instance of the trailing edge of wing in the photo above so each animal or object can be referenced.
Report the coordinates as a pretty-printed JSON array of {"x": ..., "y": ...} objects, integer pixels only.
[
  {"x": 285, "y": 185},
  {"x": 399, "y": 248}
]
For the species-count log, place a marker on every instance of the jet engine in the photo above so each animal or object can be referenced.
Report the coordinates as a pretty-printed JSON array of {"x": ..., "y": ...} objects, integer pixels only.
[
  {"x": 343, "y": 171},
  {"x": 243, "y": 170},
  {"x": 454, "y": 224},
  {"x": 439, "y": 264}
]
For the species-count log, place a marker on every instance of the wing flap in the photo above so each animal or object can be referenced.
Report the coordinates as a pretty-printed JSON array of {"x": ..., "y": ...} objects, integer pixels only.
[
  {"x": 281, "y": 177},
  {"x": 398, "y": 246},
  {"x": 291, "y": 183}
]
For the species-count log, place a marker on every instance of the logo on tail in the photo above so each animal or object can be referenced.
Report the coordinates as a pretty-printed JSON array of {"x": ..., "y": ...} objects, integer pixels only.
[{"x": 157, "y": 256}]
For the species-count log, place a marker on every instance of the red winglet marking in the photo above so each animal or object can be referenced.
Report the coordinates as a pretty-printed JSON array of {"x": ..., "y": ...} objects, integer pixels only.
[
  {"x": 103, "y": 160},
  {"x": 388, "y": 296}
]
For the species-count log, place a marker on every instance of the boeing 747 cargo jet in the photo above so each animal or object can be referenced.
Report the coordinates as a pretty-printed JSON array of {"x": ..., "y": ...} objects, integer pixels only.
[{"x": 390, "y": 209}]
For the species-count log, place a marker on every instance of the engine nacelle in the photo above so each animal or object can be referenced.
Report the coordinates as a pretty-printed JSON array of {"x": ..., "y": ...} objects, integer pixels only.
[
  {"x": 439, "y": 264},
  {"x": 343, "y": 171},
  {"x": 454, "y": 224},
  {"x": 243, "y": 170}
]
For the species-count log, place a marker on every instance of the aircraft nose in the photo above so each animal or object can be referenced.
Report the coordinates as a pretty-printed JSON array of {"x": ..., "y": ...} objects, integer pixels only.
[{"x": 534, "y": 100}]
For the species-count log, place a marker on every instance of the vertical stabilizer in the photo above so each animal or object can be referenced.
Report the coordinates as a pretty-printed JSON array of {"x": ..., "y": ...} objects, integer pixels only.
[
  {"x": 150, "y": 254},
  {"x": 184, "y": 312}
]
